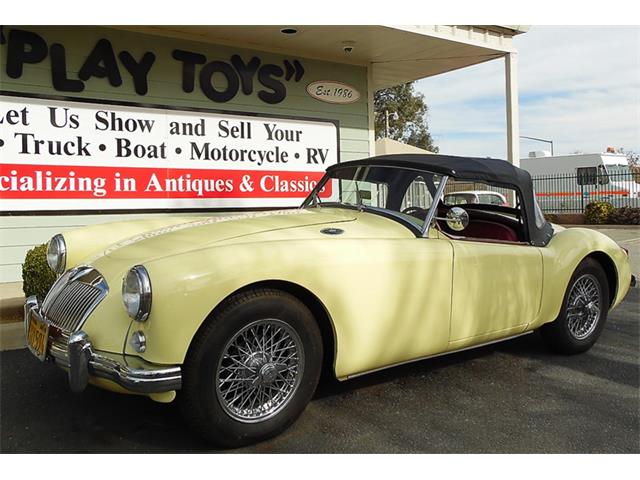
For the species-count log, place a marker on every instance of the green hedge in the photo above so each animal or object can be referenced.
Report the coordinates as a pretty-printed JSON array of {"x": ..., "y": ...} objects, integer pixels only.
[
  {"x": 37, "y": 277},
  {"x": 597, "y": 213}
]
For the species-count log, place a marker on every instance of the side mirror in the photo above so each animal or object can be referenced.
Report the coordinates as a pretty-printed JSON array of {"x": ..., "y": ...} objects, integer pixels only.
[{"x": 457, "y": 219}]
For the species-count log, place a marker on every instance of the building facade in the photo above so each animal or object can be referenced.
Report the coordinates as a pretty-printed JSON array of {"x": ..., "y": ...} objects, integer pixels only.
[{"x": 102, "y": 124}]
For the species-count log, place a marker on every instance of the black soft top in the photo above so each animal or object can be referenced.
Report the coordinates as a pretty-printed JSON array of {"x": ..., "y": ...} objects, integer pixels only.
[{"x": 490, "y": 170}]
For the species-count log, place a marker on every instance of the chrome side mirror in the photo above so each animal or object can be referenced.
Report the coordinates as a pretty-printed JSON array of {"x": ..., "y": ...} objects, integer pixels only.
[{"x": 457, "y": 219}]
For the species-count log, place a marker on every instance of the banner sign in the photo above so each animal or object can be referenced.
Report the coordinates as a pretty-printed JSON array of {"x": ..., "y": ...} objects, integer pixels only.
[{"x": 72, "y": 155}]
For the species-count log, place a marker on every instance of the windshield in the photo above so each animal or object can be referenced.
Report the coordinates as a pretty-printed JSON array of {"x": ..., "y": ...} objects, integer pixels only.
[{"x": 404, "y": 193}]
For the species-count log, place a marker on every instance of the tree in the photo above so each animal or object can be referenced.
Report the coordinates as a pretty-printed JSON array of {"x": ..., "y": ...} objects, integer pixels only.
[
  {"x": 410, "y": 126},
  {"x": 633, "y": 158}
]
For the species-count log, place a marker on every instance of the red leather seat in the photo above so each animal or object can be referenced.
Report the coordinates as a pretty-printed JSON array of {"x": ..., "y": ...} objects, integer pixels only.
[{"x": 490, "y": 230}]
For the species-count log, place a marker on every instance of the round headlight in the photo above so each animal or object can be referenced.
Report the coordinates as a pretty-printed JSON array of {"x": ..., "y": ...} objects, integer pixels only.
[
  {"x": 57, "y": 254},
  {"x": 136, "y": 293}
]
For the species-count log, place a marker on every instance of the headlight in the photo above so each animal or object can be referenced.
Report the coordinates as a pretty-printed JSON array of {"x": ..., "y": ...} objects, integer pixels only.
[
  {"x": 136, "y": 293},
  {"x": 57, "y": 254}
]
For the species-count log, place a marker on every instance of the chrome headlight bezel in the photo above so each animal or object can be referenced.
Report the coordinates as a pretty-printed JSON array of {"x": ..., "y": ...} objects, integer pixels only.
[
  {"x": 136, "y": 293},
  {"x": 57, "y": 254}
]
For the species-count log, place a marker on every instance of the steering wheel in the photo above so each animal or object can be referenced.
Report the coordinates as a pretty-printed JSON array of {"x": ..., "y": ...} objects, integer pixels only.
[{"x": 417, "y": 212}]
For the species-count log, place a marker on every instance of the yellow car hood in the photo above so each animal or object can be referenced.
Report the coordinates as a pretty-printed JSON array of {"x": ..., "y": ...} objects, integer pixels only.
[{"x": 201, "y": 232}]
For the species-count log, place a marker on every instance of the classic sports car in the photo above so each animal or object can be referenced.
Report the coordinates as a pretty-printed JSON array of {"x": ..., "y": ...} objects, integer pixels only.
[{"x": 238, "y": 315}]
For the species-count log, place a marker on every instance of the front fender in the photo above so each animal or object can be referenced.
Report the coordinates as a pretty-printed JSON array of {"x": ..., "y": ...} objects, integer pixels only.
[{"x": 187, "y": 287}]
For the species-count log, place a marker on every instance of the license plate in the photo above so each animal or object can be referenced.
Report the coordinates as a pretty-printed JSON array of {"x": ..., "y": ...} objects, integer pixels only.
[{"x": 37, "y": 337}]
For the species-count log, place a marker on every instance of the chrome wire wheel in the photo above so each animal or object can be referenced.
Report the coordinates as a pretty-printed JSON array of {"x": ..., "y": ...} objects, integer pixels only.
[
  {"x": 583, "y": 308},
  {"x": 259, "y": 371}
]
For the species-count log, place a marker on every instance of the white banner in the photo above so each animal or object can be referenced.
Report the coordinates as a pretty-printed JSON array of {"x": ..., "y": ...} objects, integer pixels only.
[{"x": 67, "y": 155}]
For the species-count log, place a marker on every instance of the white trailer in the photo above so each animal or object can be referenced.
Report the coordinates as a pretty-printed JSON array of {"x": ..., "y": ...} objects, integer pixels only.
[{"x": 569, "y": 182}]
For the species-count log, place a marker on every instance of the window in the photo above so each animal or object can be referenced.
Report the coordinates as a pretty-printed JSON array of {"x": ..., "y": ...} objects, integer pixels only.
[
  {"x": 491, "y": 199},
  {"x": 587, "y": 176},
  {"x": 459, "y": 198},
  {"x": 416, "y": 195},
  {"x": 402, "y": 193},
  {"x": 367, "y": 193}
]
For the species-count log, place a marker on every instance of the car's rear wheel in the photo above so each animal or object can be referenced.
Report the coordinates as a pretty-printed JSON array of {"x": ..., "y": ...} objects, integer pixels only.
[
  {"x": 584, "y": 311},
  {"x": 252, "y": 369}
]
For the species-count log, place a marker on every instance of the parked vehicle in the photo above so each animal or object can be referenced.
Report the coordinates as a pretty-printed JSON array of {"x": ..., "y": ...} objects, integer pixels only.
[
  {"x": 569, "y": 182},
  {"x": 239, "y": 314},
  {"x": 475, "y": 196}
]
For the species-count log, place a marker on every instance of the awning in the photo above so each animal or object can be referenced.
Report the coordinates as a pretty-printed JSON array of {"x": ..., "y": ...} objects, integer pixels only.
[{"x": 398, "y": 54}]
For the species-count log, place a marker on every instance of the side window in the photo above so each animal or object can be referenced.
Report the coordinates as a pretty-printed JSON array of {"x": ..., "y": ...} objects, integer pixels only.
[
  {"x": 489, "y": 199},
  {"x": 587, "y": 175},
  {"x": 417, "y": 195},
  {"x": 459, "y": 199},
  {"x": 603, "y": 176}
]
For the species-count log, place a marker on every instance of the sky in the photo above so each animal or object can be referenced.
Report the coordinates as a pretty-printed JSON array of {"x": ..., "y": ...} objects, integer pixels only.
[{"x": 578, "y": 86}]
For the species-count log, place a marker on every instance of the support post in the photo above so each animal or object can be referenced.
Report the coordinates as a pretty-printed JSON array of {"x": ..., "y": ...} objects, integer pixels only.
[
  {"x": 513, "y": 125},
  {"x": 371, "y": 111}
]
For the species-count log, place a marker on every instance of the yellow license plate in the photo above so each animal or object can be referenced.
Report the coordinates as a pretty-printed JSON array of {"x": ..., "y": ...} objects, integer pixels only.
[{"x": 37, "y": 337}]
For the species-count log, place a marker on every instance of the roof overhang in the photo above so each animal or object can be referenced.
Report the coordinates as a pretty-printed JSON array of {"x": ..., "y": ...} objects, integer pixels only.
[
  {"x": 397, "y": 54},
  {"x": 387, "y": 146}
]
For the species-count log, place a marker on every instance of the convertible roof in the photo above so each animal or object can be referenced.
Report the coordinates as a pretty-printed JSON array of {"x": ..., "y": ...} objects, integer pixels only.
[
  {"x": 491, "y": 170},
  {"x": 468, "y": 168}
]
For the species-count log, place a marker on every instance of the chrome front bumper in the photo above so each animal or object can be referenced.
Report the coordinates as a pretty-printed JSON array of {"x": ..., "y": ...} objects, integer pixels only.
[{"x": 74, "y": 353}]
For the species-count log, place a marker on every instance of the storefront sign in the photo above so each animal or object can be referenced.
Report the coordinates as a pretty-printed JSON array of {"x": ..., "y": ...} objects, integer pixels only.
[
  {"x": 220, "y": 81},
  {"x": 333, "y": 92},
  {"x": 74, "y": 155}
]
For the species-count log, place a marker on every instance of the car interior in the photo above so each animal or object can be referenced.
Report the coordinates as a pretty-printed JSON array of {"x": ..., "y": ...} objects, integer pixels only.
[
  {"x": 407, "y": 194},
  {"x": 487, "y": 221}
]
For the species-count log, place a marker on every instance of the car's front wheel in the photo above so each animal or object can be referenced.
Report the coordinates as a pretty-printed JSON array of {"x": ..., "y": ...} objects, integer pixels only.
[
  {"x": 252, "y": 369},
  {"x": 584, "y": 311}
]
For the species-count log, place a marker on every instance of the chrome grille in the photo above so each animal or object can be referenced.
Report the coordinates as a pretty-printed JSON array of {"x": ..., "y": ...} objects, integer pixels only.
[{"x": 73, "y": 297}]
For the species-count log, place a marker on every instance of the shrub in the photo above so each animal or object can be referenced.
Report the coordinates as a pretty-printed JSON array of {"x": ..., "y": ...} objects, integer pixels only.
[
  {"x": 625, "y": 216},
  {"x": 37, "y": 277},
  {"x": 597, "y": 213}
]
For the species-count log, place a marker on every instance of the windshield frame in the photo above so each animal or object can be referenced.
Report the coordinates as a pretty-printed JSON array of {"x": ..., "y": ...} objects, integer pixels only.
[{"x": 313, "y": 200}]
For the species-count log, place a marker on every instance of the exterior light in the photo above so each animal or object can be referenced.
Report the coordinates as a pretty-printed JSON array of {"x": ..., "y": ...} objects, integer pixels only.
[
  {"x": 136, "y": 293},
  {"x": 57, "y": 254},
  {"x": 139, "y": 341}
]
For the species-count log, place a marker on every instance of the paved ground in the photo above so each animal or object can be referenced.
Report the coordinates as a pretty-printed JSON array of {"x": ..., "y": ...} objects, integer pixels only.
[{"x": 511, "y": 397}]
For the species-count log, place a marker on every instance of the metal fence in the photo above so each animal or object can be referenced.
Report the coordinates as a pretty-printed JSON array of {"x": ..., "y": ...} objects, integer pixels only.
[{"x": 570, "y": 193}]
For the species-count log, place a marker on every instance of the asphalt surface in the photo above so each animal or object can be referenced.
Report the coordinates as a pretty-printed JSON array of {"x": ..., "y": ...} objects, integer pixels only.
[{"x": 510, "y": 397}]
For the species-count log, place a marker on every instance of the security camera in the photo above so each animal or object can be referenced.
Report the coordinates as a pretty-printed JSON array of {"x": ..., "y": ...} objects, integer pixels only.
[{"x": 347, "y": 47}]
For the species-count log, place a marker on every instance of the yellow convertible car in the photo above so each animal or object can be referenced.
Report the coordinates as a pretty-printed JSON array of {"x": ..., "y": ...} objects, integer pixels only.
[{"x": 238, "y": 315}]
